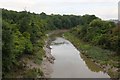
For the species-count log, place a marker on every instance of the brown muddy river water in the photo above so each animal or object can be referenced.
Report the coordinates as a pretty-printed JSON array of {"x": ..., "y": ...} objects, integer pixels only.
[{"x": 70, "y": 63}]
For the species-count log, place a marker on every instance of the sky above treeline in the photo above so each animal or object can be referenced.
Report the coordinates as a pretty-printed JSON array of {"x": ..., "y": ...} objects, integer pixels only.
[{"x": 105, "y": 9}]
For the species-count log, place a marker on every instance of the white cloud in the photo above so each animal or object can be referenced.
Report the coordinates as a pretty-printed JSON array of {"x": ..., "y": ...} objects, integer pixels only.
[{"x": 106, "y": 9}]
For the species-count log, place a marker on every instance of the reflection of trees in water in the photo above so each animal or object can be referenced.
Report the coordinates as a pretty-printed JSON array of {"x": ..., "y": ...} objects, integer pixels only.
[{"x": 91, "y": 65}]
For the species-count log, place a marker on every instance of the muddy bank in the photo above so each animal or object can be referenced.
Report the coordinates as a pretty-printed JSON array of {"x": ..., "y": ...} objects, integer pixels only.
[
  {"x": 112, "y": 71},
  {"x": 48, "y": 59},
  {"x": 46, "y": 63}
]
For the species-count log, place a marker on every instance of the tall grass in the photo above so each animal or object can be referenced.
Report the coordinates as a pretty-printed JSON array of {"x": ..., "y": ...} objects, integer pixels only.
[{"x": 102, "y": 56}]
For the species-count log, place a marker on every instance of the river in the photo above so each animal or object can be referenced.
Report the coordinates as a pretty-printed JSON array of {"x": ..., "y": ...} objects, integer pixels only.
[{"x": 70, "y": 63}]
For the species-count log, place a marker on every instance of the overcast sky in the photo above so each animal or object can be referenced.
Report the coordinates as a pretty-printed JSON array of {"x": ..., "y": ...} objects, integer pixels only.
[{"x": 105, "y": 9}]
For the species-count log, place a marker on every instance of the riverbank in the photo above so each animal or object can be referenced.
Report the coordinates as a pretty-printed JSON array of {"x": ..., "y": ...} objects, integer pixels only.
[
  {"x": 70, "y": 63},
  {"x": 36, "y": 65},
  {"x": 28, "y": 65},
  {"x": 100, "y": 57},
  {"x": 48, "y": 59},
  {"x": 44, "y": 66}
]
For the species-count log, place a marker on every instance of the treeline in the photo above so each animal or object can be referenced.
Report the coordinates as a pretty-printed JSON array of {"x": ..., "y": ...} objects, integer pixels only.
[
  {"x": 24, "y": 32},
  {"x": 65, "y": 21},
  {"x": 105, "y": 34}
]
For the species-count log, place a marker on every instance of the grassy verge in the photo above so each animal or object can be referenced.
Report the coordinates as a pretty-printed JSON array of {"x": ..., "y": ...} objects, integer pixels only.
[{"x": 104, "y": 58}]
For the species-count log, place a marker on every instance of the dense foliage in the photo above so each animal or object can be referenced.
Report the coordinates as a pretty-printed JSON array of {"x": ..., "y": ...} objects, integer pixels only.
[
  {"x": 21, "y": 32},
  {"x": 101, "y": 33},
  {"x": 100, "y": 41},
  {"x": 24, "y": 32}
]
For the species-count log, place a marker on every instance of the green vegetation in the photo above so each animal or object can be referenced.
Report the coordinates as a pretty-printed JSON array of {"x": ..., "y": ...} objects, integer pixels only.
[
  {"x": 98, "y": 41},
  {"x": 104, "y": 34},
  {"x": 24, "y": 34},
  {"x": 93, "y": 52},
  {"x": 33, "y": 73}
]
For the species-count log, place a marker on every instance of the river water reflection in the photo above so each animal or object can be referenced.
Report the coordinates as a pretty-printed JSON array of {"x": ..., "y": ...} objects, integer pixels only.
[{"x": 70, "y": 63}]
